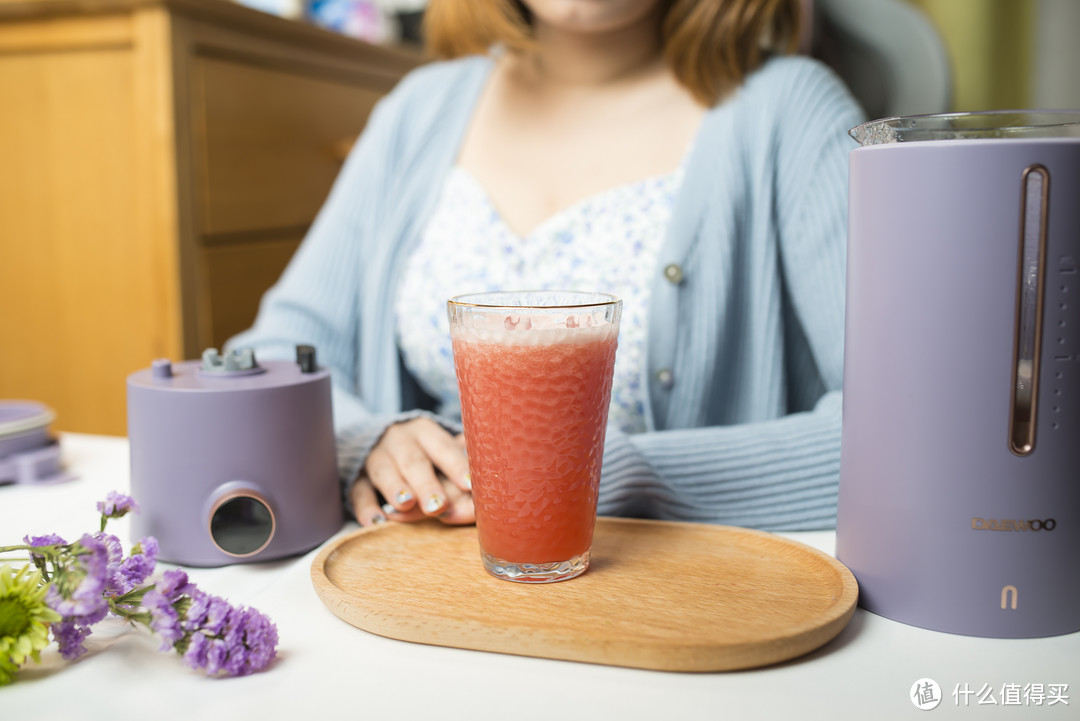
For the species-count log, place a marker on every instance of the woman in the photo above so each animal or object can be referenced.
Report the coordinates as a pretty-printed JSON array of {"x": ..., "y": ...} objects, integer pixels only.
[{"x": 654, "y": 149}]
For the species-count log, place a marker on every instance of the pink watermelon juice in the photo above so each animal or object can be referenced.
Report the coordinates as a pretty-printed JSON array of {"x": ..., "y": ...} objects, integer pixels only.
[{"x": 534, "y": 404}]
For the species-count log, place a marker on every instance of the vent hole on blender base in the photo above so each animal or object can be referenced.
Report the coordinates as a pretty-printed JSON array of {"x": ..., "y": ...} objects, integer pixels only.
[{"x": 241, "y": 525}]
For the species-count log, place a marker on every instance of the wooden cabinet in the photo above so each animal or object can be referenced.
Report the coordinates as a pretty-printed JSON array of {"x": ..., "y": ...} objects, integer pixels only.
[{"x": 160, "y": 160}]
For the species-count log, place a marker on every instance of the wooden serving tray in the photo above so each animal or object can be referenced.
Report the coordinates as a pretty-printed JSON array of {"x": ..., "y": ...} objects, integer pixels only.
[{"x": 657, "y": 595}]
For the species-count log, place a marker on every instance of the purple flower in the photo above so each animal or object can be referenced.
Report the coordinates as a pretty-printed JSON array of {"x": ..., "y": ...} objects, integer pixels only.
[
  {"x": 196, "y": 613},
  {"x": 114, "y": 553},
  {"x": 117, "y": 505},
  {"x": 135, "y": 569},
  {"x": 92, "y": 577},
  {"x": 227, "y": 640},
  {"x": 76, "y": 592},
  {"x": 217, "y": 613},
  {"x": 49, "y": 539},
  {"x": 174, "y": 583},
  {"x": 164, "y": 620},
  {"x": 206, "y": 613},
  {"x": 69, "y": 637},
  {"x": 258, "y": 636},
  {"x": 195, "y": 656},
  {"x": 216, "y": 656},
  {"x": 147, "y": 547}
]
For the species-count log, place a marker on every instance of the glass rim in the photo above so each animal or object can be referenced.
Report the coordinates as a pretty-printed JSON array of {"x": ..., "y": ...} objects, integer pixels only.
[
  {"x": 597, "y": 299},
  {"x": 1034, "y": 122}
]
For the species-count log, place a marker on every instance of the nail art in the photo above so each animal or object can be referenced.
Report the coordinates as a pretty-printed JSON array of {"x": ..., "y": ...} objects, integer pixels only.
[
  {"x": 388, "y": 509},
  {"x": 377, "y": 519},
  {"x": 403, "y": 496},
  {"x": 467, "y": 478},
  {"x": 433, "y": 503}
]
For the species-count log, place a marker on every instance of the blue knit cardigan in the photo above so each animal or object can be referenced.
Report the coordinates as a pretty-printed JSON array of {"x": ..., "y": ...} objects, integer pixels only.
[{"x": 744, "y": 350}]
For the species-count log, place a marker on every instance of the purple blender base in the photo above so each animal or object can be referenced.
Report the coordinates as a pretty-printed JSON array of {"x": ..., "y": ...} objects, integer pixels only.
[{"x": 28, "y": 454}]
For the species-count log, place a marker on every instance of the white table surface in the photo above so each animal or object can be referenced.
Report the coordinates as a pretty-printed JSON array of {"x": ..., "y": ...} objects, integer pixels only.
[{"x": 326, "y": 669}]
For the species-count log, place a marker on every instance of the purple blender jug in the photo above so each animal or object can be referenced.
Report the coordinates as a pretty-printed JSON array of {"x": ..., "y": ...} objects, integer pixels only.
[
  {"x": 231, "y": 459},
  {"x": 959, "y": 501}
]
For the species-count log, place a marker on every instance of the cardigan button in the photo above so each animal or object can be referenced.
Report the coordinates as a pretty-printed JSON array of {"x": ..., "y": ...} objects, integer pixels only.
[
  {"x": 665, "y": 378},
  {"x": 674, "y": 273}
]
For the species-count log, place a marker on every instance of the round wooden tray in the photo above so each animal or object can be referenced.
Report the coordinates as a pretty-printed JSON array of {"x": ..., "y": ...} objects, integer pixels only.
[{"x": 658, "y": 595}]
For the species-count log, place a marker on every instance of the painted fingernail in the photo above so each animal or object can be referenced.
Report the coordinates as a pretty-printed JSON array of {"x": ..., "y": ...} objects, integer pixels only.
[
  {"x": 403, "y": 496},
  {"x": 388, "y": 509},
  {"x": 433, "y": 503},
  {"x": 467, "y": 480},
  {"x": 377, "y": 519}
]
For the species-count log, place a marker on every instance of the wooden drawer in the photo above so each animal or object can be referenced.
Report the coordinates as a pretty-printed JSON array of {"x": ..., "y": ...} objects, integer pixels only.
[
  {"x": 236, "y": 276},
  {"x": 160, "y": 161},
  {"x": 270, "y": 139}
]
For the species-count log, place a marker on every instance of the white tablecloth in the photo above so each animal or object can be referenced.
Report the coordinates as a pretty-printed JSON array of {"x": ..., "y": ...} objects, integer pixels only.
[{"x": 327, "y": 669}]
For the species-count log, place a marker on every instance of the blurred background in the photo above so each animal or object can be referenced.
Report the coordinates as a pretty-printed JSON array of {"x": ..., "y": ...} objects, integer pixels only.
[
  {"x": 1003, "y": 53},
  {"x": 1010, "y": 53},
  {"x": 160, "y": 160}
]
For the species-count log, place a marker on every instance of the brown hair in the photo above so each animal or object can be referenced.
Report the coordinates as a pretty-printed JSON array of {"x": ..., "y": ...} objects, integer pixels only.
[{"x": 710, "y": 45}]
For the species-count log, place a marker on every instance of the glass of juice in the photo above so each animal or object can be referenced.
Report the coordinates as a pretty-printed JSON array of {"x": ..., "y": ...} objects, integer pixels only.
[{"x": 534, "y": 376}]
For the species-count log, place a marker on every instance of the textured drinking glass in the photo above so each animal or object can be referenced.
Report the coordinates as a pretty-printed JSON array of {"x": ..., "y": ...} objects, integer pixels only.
[{"x": 534, "y": 375}]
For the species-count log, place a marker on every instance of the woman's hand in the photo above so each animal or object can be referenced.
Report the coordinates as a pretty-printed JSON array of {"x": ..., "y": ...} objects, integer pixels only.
[{"x": 421, "y": 471}]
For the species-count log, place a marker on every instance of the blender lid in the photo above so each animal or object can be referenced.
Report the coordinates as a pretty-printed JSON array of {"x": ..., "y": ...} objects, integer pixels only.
[
  {"x": 17, "y": 417},
  {"x": 983, "y": 125}
]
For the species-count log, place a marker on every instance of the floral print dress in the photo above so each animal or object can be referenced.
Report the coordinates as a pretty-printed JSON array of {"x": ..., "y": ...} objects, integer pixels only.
[{"x": 608, "y": 242}]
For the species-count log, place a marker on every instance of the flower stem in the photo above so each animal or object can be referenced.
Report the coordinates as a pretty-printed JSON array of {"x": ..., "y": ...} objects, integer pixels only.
[
  {"x": 51, "y": 550},
  {"x": 12, "y": 549}
]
